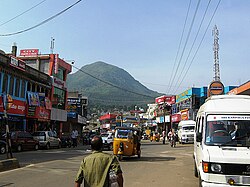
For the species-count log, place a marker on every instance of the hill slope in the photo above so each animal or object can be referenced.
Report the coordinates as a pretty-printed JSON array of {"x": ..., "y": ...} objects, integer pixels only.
[{"x": 106, "y": 84}]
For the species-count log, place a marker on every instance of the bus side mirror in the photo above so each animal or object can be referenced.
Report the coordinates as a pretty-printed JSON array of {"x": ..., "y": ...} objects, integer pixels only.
[{"x": 198, "y": 137}]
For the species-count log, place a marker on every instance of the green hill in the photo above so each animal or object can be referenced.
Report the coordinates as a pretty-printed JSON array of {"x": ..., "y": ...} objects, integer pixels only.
[{"x": 108, "y": 85}]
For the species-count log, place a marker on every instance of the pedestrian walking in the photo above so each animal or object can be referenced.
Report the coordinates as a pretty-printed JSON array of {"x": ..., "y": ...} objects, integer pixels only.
[
  {"x": 164, "y": 136},
  {"x": 74, "y": 136},
  {"x": 97, "y": 169}
]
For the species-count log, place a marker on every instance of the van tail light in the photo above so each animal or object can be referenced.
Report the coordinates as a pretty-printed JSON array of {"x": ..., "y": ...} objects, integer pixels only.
[{"x": 205, "y": 167}]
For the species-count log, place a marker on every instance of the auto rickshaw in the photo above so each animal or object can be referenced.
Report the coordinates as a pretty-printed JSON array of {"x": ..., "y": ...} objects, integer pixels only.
[{"x": 127, "y": 142}]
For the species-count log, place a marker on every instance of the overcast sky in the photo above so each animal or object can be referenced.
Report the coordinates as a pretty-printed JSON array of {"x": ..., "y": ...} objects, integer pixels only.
[{"x": 142, "y": 37}]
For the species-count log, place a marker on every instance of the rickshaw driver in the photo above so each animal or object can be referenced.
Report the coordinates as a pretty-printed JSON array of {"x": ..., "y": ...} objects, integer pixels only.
[{"x": 137, "y": 141}]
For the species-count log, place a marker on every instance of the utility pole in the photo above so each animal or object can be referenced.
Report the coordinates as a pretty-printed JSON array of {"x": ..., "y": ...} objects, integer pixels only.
[
  {"x": 7, "y": 102},
  {"x": 215, "y": 33},
  {"x": 164, "y": 121}
]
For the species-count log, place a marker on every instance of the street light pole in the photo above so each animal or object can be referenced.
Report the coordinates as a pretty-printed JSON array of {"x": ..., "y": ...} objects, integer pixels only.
[{"x": 164, "y": 123}]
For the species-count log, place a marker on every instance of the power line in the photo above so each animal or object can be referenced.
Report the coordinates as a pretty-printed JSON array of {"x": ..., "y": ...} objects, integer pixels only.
[
  {"x": 177, "y": 54},
  {"x": 200, "y": 43},
  {"x": 110, "y": 84},
  {"x": 198, "y": 31},
  {"x": 43, "y": 22},
  {"x": 22, "y": 13},
  {"x": 189, "y": 32}
]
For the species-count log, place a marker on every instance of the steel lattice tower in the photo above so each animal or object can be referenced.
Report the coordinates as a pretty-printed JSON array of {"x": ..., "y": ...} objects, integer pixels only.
[{"x": 216, "y": 54}]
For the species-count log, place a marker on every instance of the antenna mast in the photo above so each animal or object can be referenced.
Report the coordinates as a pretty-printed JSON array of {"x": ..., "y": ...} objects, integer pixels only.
[{"x": 216, "y": 54}]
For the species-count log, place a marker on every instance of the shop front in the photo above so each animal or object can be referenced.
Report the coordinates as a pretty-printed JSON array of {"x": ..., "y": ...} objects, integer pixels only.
[
  {"x": 15, "y": 115},
  {"x": 38, "y": 119}
]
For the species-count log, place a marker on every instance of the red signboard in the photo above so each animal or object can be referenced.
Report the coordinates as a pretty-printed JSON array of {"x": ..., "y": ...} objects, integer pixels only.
[
  {"x": 29, "y": 52},
  {"x": 167, "y": 99},
  {"x": 17, "y": 107},
  {"x": 108, "y": 117},
  {"x": 40, "y": 113},
  {"x": 176, "y": 118}
]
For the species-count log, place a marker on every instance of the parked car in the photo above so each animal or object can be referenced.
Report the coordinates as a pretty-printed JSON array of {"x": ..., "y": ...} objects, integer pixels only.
[
  {"x": 107, "y": 139},
  {"x": 2, "y": 147},
  {"x": 47, "y": 139},
  {"x": 22, "y": 140}
]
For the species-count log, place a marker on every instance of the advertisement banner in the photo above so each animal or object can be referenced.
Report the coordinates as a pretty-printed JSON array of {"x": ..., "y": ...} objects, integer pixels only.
[
  {"x": 176, "y": 118},
  {"x": 167, "y": 99},
  {"x": 56, "y": 64},
  {"x": 33, "y": 99},
  {"x": 184, "y": 115},
  {"x": 48, "y": 104},
  {"x": 42, "y": 99},
  {"x": 17, "y": 108},
  {"x": 29, "y": 52},
  {"x": 40, "y": 113}
]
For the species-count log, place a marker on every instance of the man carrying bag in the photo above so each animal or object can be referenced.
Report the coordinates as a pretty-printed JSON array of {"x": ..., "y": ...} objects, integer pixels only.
[{"x": 99, "y": 169}]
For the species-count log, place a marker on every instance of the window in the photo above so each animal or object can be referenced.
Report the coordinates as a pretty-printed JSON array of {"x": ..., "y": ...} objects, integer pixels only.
[
  {"x": 44, "y": 66},
  {"x": 59, "y": 74},
  {"x": 17, "y": 87},
  {"x": 38, "y": 88},
  {"x": 5, "y": 83},
  {"x": 33, "y": 88},
  {"x": 23, "y": 89},
  {"x": 11, "y": 88},
  {"x": 32, "y": 63},
  {"x": 29, "y": 86}
]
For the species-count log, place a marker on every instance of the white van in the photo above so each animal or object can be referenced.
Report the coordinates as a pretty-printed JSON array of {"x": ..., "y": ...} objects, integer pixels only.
[
  {"x": 186, "y": 131},
  {"x": 222, "y": 141}
]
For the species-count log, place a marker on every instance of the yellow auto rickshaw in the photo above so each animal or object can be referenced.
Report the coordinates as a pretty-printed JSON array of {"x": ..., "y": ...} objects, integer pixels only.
[{"x": 127, "y": 142}]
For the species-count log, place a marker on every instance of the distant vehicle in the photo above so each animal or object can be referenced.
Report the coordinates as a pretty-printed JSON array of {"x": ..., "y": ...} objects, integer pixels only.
[
  {"x": 66, "y": 141},
  {"x": 222, "y": 141},
  {"x": 47, "y": 139},
  {"x": 186, "y": 131},
  {"x": 108, "y": 140},
  {"x": 22, "y": 140},
  {"x": 2, "y": 147}
]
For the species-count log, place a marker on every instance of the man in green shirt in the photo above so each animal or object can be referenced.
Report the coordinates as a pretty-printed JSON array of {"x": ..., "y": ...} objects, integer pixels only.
[{"x": 94, "y": 169}]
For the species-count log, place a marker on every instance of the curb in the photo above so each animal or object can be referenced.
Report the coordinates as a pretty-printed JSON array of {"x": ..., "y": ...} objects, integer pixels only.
[{"x": 9, "y": 164}]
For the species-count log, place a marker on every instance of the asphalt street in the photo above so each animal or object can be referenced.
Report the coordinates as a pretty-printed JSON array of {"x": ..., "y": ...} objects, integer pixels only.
[{"x": 160, "y": 165}]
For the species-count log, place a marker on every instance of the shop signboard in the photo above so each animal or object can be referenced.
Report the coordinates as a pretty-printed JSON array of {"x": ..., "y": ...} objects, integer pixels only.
[
  {"x": 31, "y": 111},
  {"x": 48, "y": 104},
  {"x": 56, "y": 63},
  {"x": 40, "y": 113},
  {"x": 165, "y": 99},
  {"x": 176, "y": 118},
  {"x": 184, "y": 95},
  {"x": 29, "y": 52},
  {"x": 17, "y": 63},
  {"x": 184, "y": 115},
  {"x": 59, "y": 83},
  {"x": 17, "y": 108},
  {"x": 215, "y": 88}
]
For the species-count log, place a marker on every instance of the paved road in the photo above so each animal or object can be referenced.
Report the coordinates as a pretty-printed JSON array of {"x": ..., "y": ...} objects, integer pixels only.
[{"x": 160, "y": 165}]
